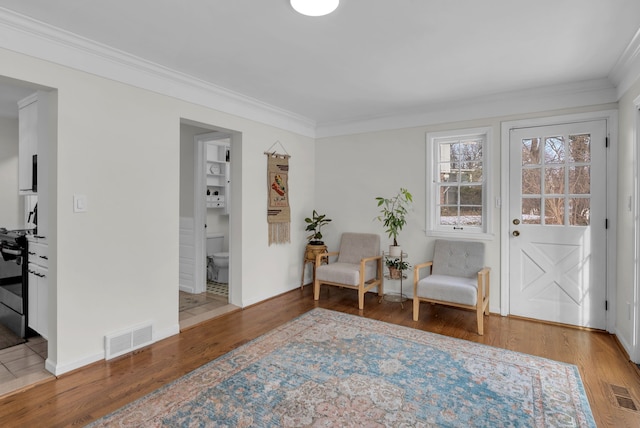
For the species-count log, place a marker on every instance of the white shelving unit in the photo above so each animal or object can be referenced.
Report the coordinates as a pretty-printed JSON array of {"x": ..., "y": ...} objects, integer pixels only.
[{"x": 218, "y": 175}]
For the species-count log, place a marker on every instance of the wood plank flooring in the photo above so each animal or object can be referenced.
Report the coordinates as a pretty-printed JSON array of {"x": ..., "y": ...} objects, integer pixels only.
[{"x": 84, "y": 395}]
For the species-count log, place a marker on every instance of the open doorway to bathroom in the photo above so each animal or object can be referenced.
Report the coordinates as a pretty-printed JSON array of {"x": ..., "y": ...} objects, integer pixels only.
[{"x": 205, "y": 216}]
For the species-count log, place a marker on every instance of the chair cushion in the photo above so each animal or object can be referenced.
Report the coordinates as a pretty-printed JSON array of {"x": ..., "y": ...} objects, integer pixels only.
[
  {"x": 446, "y": 288},
  {"x": 458, "y": 258},
  {"x": 356, "y": 246},
  {"x": 345, "y": 273}
]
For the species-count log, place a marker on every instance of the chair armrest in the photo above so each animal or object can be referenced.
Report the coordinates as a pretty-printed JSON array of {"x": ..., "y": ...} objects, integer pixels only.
[
  {"x": 368, "y": 259},
  {"x": 416, "y": 273},
  {"x": 421, "y": 266},
  {"x": 320, "y": 256}
]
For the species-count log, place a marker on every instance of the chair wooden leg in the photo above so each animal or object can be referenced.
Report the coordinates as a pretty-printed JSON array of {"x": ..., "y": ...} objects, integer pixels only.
[
  {"x": 361, "y": 300},
  {"x": 416, "y": 308},
  {"x": 480, "y": 315},
  {"x": 316, "y": 290}
]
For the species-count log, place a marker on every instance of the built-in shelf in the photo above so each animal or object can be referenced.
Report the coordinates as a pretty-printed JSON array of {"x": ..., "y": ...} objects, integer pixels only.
[{"x": 218, "y": 175}]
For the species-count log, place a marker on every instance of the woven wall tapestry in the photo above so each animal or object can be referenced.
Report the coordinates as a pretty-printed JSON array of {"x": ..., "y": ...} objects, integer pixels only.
[{"x": 278, "y": 211}]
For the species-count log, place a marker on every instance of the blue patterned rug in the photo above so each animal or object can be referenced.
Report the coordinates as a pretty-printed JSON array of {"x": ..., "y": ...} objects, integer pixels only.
[{"x": 327, "y": 368}]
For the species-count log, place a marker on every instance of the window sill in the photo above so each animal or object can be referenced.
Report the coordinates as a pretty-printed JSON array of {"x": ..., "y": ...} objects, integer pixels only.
[{"x": 478, "y": 236}]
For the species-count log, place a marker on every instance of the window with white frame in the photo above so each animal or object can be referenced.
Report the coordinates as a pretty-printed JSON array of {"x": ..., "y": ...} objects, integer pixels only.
[{"x": 457, "y": 177}]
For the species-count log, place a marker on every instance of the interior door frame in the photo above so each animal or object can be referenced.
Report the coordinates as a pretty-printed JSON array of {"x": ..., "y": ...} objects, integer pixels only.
[
  {"x": 635, "y": 346},
  {"x": 611, "y": 118}
]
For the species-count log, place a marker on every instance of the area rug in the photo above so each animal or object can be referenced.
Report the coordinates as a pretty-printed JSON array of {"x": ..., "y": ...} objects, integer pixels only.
[
  {"x": 218, "y": 288},
  {"x": 327, "y": 368},
  {"x": 8, "y": 338}
]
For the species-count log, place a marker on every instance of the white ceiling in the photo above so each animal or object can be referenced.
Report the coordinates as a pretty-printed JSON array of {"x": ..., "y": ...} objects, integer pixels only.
[{"x": 370, "y": 58}]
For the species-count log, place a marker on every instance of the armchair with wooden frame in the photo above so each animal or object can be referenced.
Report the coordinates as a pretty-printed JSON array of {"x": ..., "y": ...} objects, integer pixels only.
[
  {"x": 358, "y": 266},
  {"x": 457, "y": 278}
]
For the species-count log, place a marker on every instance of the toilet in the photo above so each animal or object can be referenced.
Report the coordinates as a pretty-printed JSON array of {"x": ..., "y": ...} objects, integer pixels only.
[{"x": 217, "y": 260}]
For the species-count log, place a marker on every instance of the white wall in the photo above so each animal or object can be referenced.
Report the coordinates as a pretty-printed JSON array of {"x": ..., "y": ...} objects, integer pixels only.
[
  {"x": 117, "y": 264},
  {"x": 625, "y": 299},
  {"x": 11, "y": 205},
  {"x": 353, "y": 170}
]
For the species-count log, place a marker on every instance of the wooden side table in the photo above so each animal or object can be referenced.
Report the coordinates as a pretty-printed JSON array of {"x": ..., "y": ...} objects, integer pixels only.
[{"x": 310, "y": 253}]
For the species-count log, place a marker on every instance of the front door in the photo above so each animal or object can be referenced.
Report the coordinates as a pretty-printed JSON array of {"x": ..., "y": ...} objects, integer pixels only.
[{"x": 557, "y": 215}]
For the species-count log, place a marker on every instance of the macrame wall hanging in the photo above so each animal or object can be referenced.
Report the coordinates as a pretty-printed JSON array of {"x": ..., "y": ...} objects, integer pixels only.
[{"x": 278, "y": 210}]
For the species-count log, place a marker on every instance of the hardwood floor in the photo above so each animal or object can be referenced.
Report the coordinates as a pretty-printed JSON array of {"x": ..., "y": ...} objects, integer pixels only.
[{"x": 84, "y": 395}]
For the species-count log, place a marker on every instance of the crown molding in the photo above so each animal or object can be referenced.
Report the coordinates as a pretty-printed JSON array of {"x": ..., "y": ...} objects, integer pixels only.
[
  {"x": 627, "y": 69},
  {"x": 31, "y": 37},
  {"x": 555, "y": 97},
  {"x": 28, "y": 36}
]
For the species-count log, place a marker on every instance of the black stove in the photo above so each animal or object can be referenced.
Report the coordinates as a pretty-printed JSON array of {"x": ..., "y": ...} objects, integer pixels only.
[{"x": 14, "y": 277}]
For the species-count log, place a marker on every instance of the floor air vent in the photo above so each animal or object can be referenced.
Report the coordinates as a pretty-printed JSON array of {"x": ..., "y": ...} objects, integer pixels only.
[
  {"x": 622, "y": 398},
  {"x": 128, "y": 340}
]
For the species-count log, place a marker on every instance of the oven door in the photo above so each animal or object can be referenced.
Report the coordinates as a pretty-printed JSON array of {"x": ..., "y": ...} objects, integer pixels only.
[{"x": 10, "y": 264}]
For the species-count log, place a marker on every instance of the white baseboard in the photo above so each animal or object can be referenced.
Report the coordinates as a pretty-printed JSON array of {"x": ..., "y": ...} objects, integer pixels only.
[{"x": 59, "y": 369}]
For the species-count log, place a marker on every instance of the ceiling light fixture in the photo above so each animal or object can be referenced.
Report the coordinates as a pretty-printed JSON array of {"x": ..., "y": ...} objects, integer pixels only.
[{"x": 315, "y": 7}]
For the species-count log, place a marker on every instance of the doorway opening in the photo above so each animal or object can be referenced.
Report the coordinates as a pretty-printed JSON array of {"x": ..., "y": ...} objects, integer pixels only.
[{"x": 206, "y": 283}]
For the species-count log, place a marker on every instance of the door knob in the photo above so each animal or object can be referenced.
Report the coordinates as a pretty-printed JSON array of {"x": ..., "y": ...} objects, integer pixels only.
[
  {"x": 516, "y": 221},
  {"x": 515, "y": 233}
]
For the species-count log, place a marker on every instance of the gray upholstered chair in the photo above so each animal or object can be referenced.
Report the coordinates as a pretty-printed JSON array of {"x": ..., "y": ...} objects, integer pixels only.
[
  {"x": 458, "y": 278},
  {"x": 358, "y": 266}
]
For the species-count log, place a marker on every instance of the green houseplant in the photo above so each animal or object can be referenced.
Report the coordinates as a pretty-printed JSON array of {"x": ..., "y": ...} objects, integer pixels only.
[
  {"x": 396, "y": 266},
  {"x": 393, "y": 213},
  {"x": 314, "y": 225}
]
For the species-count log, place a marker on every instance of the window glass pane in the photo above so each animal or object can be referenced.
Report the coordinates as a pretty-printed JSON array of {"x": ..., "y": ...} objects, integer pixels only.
[
  {"x": 447, "y": 174},
  {"x": 580, "y": 148},
  {"x": 580, "y": 179},
  {"x": 531, "y": 181},
  {"x": 531, "y": 151},
  {"x": 445, "y": 152},
  {"x": 467, "y": 151},
  {"x": 472, "y": 173},
  {"x": 554, "y": 149},
  {"x": 471, "y": 216},
  {"x": 579, "y": 211},
  {"x": 470, "y": 195},
  {"x": 554, "y": 180},
  {"x": 448, "y": 195},
  {"x": 448, "y": 215},
  {"x": 554, "y": 211},
  {"x": 531, "y": 210}
]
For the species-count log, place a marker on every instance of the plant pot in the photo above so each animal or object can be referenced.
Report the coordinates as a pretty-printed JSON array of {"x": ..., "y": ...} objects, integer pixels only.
[
  {"x": 394, "y": 273},
  {"x": 312, "y": 250},
  {"x": 395, "y": 250}
]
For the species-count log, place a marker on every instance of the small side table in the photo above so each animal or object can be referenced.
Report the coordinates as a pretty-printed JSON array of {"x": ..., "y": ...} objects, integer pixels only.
[
  {"x": 396, "y": 297},
  {"x": 310, "y": 253}
]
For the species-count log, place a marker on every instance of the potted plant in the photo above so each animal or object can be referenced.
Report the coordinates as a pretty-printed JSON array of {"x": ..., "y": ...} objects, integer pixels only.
[
  {"x": 314, "y": 225},
  {"x": 396, "y": 266},
  {"x": 393, "y": 216}
]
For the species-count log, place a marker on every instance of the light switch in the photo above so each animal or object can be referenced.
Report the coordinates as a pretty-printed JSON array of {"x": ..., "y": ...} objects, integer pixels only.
[{"x": 79, "y": 203}]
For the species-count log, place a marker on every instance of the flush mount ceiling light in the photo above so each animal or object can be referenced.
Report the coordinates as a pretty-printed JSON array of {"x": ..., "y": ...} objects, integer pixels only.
[{"x": 315, "y": 7}]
